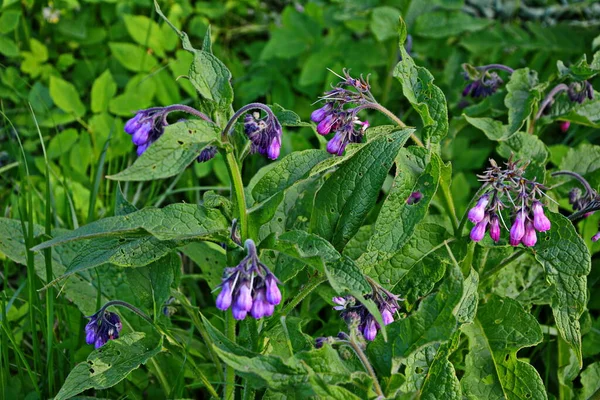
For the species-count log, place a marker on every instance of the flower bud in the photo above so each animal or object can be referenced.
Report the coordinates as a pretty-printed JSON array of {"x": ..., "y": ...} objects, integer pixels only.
[
  {"x": 477, "y": 213},
  {"x": 142, "y": 135},
  {"x": 387, "y": 317},
  {"x": 142, "y": 148},
  {"x": 238, "y": 313},
  {"x": 325, "y": 125},
  {"x": 244, "y": 297},
  {"x": 517, "y": 231},
  {"x": 273, "y": 295},
  {"x": 274, "y": 148},
  {"x": 529, "y": 238},
  {"x": 258, "y": 304},
  {"x": 319, "y": 114},
  {"x": 370, "y": 330},
  {"x": 478, "y": 231},
  {"x": 224, "y": 298},
  {"x": 564, "y": 126},
  {"x": 596, "y": 237},
  {"x": 133, "y": 125},
  {"x": 336, "y": 145},
  {"x": 414, "y": 198},
  {"x": 495, "y": 228},
  {"x": 540, "y": 222}
]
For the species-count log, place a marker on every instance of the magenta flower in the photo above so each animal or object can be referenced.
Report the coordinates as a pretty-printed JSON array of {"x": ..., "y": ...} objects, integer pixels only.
[
  {"x": 529, "y": 238},
  {"x": 495, "y": 228},
  {"x": 478, "y": 231},
  {"x": 477, "y": 213},
  {"x": 517, "y": 231},
  {"x": 540, "y": 222}
]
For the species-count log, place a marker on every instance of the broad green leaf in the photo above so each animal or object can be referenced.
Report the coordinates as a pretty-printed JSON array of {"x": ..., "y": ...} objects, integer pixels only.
[
  {"x": 433, "y": 322},
  {"x": 430, "y": 373},
  {"x": 590, "y": 380},
  {"x": 286, "y": 172},
  {"x": 397, "y": 220},
  {"x": 110, "y": 364},
  {"x": 566, "y": 260},
  {"x": 62, "y": 143},
  {"x": 493, "y": 370},
  {"x": 587, "y": 114},
  {"x": 211, "y": 78},
  {"x": 287, "y": 117},
  {"x": 151, "y": 284},
  {"x": 8, "y": 47},
  {"x": 315, "y": 251},
  {"x": 440, "y": 24},
  {"x": 132, "y": 57},
  {"x": 66, "y": 96},
  {"x": 521, "y": 98},
  {"x": 145, "y": 32},
  {"x": 424, "y": 96},
  {"x": 492, "y": 128},
  {"x": 580, "y": 70},
  {"x": 384, "y": 22},
  {"x": 582, "y": 159},
  {"x": 263, "y": 213},
  {"x": 526, "y": 147},
  {"x": 174, "y": 222},
  {"x": 9, "y": 20},
  {"x": 103, "y": 90},
  {"x": 210, "y": 258},
  {"x": 179, "y": 145},
  {"x": 349, "y": 194}
]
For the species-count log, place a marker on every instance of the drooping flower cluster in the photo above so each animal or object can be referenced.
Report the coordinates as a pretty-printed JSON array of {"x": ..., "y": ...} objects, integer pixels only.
[
  {"x": 249, "y": 287},
  {"x": 353, "y": 312},
  {"x": 508, "y": 188},
  {"x": 264, "y": 134},
  {"x": 334, "y": 117},
  {"x": 580, "y": 91},
  {"x": 146, "y": 127},
  {"x": 103, "y": 326}
]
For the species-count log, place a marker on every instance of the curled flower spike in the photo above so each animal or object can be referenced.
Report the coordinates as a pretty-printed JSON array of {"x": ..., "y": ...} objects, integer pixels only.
[
  {"x": 502, "y": 186},
  {"x": 249, "y": 287},
  {"x": 103, "y": 326},
  {"x": 207, "y": 154},
  {"x": 580, "y": 91},
  {"x": 483, "y": 83},
  {"x": 335, "y": 117},
  {"x": 149, "y": 124},
  {"x": 355, "y": 314}
]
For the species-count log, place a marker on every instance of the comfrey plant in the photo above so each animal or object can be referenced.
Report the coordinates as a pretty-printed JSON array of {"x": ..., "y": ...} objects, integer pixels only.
[
  {"x": 356, "y": 221},
  {"x": 508, "y": 188}
]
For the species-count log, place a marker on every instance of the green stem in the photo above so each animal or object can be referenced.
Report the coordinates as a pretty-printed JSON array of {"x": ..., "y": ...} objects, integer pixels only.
[
  {"x": 229, "y": 393},
  {"x": 392, "y": 116},
  {"x": 237, "y": 188}
]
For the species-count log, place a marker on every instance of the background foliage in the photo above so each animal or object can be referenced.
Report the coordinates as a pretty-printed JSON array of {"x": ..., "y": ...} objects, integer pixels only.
[{"x": 72, "y": 73}]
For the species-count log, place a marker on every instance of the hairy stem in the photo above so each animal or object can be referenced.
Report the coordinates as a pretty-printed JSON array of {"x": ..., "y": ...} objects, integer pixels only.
[
  {"x": 237, "y": 192},
  {"x": 501, "y": 67},
  {"x": 229, "y": 392},
  {"x": 367, "y": 365},
  {"x": 129, "y": 306},
  {"x": 549, "y": 98},
  {"x": 588, "y": 188}
]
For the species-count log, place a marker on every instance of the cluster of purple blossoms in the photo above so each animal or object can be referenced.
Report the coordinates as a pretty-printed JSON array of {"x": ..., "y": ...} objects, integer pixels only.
[
  {"x": 334, "y": 117},
  {"x": 103, "y": 326},
  {"x": 146, "y": 127},
  {"x": 528, "y": 212},
  {"x": 353, "y": 312},
  {"x": 264, "y": 134},
  {"x": 249, "y": 287}
]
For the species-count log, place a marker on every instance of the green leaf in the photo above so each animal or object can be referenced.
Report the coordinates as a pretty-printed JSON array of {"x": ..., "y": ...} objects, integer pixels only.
[
  {"x": 151, "y": 284},
  {"x": 145, "y": 32},
  {"x": 590, "y": 380},
  {"x": 62, "y": 143},
  {"x": 8, "y": 47},
  {"x": 211, "y": 78},
  {"x": 290, "y": 169},
  {"x": 9, "y": 20},
  {"x": 424, "y": 96},
  {"x": 132, "y": 57},
  {"x": 493, "y": 129},
  {"x": 397, "y": 220},
  {"x": 584, "y": 159},
  {"x": 441, "y": 24},
  {"x": 103, "y": 90},
  {"x": 263, "y": 213},
  {"x": 521, "y": 98},
  {"x": 566, "y": 260},
  {"x": 349, "y": 194},
  {"x": 493, "y": 370},
  {"x": 384, "y": 22},
  {"x": 210, "y": 258},
  {"x": 179, "y": 145},
  {"x": 344, "y": 276},
  {"x": 580, "y": 70},
  {"x": 587, "y": 113},
  {"x": 66, "y": 96},
  {"x": 174, "y": 222},
  {"x": 110, "y": 364}
]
